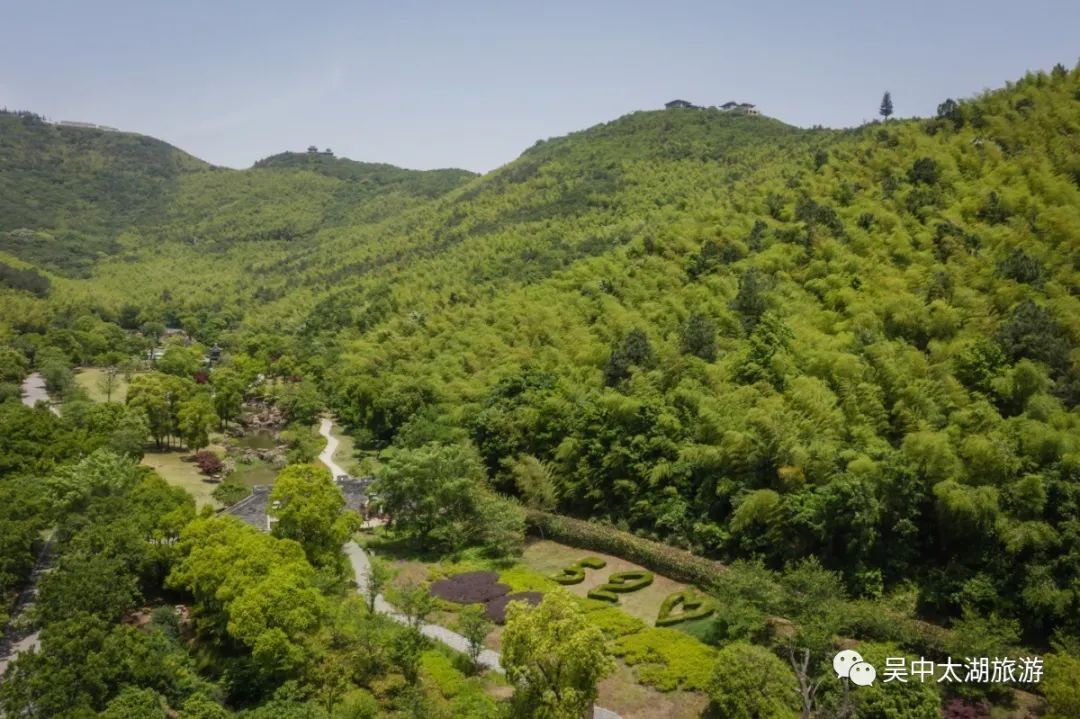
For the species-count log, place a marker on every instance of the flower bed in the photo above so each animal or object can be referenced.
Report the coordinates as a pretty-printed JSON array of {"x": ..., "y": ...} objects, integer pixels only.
[
  {"x": 495, "y": 610},
  {"x": 470, "y": 588}
]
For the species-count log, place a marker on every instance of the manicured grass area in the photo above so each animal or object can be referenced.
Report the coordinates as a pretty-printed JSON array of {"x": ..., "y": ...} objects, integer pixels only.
[
  {"x": 180, "y": 473},
  {"x": 549, "y": 558},
  {"x": 89, "y": 379}
]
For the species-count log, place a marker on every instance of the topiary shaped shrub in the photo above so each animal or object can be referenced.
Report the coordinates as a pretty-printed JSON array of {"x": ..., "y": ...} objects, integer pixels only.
[
  {"x": 575, "y": 573},
  {"x": 683, "y": 607},
  {"x": 621, "y": 583}
]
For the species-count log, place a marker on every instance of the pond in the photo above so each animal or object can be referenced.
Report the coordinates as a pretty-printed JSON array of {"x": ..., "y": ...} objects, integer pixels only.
[{"x": 257, "y": 440}]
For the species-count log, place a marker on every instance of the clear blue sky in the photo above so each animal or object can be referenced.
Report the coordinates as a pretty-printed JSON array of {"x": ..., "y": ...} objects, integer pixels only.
[{"x": 472, "y": 84}]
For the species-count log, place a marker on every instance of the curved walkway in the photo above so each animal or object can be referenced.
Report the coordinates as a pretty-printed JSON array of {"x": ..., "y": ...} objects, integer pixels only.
[
  {"x": 327, "y": 455},
  {"x": 362, "y": 568}
]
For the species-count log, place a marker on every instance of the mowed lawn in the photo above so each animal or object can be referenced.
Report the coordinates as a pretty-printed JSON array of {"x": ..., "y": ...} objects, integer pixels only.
[
  {"x": 89, "y": 379},
  {"x": 180, "y": 473},
  {"x": 549, "y": 558}
]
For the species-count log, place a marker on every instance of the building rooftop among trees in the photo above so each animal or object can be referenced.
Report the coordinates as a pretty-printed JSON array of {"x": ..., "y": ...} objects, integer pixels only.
[{"x": 675, "y": 104}]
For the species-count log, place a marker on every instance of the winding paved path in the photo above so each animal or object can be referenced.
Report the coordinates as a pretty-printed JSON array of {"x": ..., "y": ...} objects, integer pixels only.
[
  {"x": 327, "y": 455},
  {"x": 362, "y": 568}
]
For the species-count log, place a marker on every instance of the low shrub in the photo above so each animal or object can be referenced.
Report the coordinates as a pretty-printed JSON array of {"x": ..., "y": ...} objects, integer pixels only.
[
  {"x": 666, "y": 659},
  {"x": 612, "y": 621},
  {"x": 229, "y": 492},
  {"x": 208, "y": 462},
  {"x": 677, "y": 564}
]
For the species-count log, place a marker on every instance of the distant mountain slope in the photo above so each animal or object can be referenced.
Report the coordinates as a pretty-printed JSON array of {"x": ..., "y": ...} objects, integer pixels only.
[
  {"x": 74, "y": 189},
  {"x": 68, "y": 194},
  {"x": 375, "y": 176}
]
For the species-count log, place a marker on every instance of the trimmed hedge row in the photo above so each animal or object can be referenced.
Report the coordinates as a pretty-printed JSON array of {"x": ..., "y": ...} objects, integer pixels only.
[
  {"x": 575, "y": 573},
  {"x": 694, "y": 606},
  {"x": 677, "y": 564},
  {"x": 621, "y": 583}
]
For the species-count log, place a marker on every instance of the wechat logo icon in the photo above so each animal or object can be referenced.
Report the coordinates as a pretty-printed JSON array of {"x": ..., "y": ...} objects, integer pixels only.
[{"x": 849, "y": 664}]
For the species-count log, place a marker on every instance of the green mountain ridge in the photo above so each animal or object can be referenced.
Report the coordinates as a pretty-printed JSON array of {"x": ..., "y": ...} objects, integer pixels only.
[
  {"x": 719, "y": 331},
  {"x": 843, "y": 363}
]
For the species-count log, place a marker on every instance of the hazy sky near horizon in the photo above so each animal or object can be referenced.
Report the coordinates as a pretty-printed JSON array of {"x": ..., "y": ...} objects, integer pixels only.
[{"x": 472, "y": 84}]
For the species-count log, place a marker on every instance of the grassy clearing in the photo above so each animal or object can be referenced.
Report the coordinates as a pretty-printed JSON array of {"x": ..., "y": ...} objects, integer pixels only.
[
  {"x": 89, "y": 379},
  {"x": 180, "y": 473}
]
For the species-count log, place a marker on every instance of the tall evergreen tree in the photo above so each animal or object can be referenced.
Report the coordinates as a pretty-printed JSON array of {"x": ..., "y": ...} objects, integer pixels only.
[{"x": 886, "y": 105}]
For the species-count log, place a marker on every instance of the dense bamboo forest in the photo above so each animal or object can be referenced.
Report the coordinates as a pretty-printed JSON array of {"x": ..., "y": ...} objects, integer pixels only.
[{"x": 844, "y": 365}]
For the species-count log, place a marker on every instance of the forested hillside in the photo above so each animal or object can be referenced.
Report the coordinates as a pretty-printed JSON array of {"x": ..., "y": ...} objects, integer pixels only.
[{"x": 757, "y": 342}]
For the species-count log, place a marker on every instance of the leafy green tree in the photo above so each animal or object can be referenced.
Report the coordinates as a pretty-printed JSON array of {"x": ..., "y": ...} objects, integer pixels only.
[
  {"x": 13, "y": 365},
  {"x": 196, "y": 419},
  {"x": 253, "y": 589},
  {"x": 475, "y": 627},
  {"x": 228, "y": 394},
  {"x": 129, "y": 434},
  {"x": 533, "y": 480},
  {"x": 750, "y": 682},
  {"x": 634, "y": 350},
  {"x": 698, "y": 337},
  {"x": 101, "y": 474},
  {"x": 431, "y": 492},
  {"x": 181, "y": 361},
  {"x": 895, "y": 700},
  {"x": 160, "y": 396},
  {"x": 415, "y": 602},
  {"x": 101, "y": 586},
  {"x": 301, "y": 402},
  {"x": 924, "y": 171},
  {"x": 310, "y": 509},
  {"x": 554, "y": 658},
  {"x": 750, "y": 300},
  {"x": 108, "y": 382},
  {"x": 55, "y": 369},
  {"x": 132, "y": 703},
  {"x": 379, "y": 575},
  {"x": 201, "y": 707},
  {"x": 153, "y": 330},
  {"x": 406, "y": 648},
  {"x": 1062, "y": 685}
]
